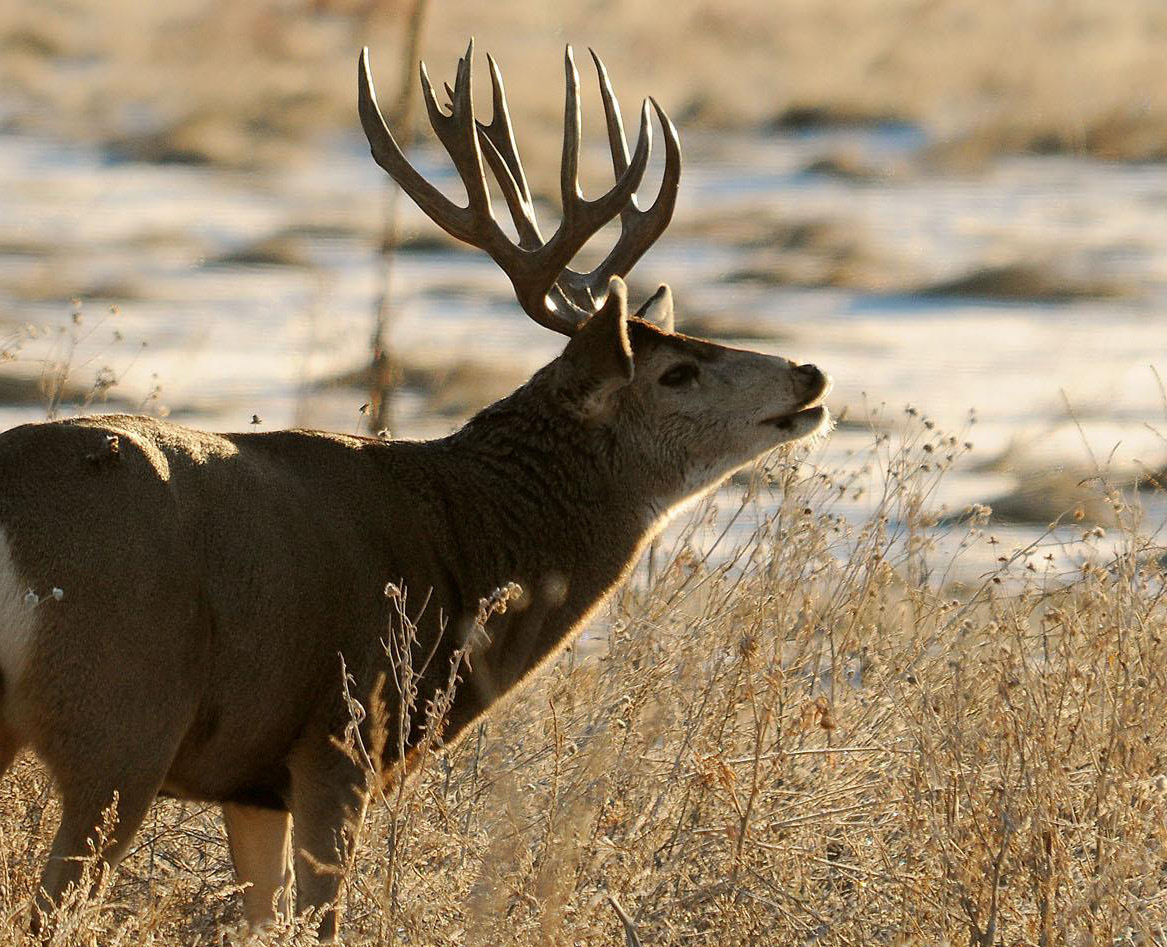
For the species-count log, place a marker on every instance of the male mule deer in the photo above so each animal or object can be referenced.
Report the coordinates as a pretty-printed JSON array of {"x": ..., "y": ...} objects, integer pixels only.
[{"x": 213, "y": 583}]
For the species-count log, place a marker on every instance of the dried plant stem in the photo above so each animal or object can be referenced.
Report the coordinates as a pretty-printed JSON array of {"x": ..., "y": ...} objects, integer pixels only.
[{"x": 383, "y": 370}]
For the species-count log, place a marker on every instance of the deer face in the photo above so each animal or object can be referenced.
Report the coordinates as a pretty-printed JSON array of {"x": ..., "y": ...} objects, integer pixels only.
[
  {"x": 733, "y": 402},
  {"x": 706, "y": 409},
  {"x": 686, "y": 412},
  {"x": 671, "y": 415}
]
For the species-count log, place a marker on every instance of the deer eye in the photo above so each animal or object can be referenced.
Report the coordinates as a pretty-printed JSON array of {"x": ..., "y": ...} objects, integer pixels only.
[{"x": 678, "y": 375}]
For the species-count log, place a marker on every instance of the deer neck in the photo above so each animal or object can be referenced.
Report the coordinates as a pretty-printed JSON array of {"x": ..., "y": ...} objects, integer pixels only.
[
  {"x": 541, "y": 498},
  {"x": 540, "y": 502}
]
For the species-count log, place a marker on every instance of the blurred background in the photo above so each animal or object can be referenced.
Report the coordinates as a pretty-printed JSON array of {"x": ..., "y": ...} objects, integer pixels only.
[{"x": 958, "y": 209}]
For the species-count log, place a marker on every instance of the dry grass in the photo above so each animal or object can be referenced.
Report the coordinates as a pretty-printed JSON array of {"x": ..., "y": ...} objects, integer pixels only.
[
  {"x": 208, "y": 80},
  {"x": 802, "y": 737},
  {"x": 64, "y": 381}
]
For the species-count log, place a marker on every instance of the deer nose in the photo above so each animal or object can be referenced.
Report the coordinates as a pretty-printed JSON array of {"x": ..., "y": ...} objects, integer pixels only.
[{"x": 810, "y": 383}]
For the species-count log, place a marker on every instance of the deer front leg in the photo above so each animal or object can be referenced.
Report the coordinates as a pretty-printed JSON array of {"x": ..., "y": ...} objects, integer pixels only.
[
  {"x": 329, "y": 796},
  {"x": 261, "y": 850}
]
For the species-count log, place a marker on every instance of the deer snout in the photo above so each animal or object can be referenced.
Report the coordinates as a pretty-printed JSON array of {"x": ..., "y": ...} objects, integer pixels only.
[{"x": 811, "y": 384}]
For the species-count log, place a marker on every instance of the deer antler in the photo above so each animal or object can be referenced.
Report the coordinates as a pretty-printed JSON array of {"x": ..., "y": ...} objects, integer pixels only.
[{"x": 549, "y": 291}]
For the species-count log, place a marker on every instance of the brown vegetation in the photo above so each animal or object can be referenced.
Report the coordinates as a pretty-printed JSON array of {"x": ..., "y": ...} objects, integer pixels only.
[
  {"x": 798, "y": 737},
  {"x": 208, "y": 81},
  {"x": 801, "y": 737}
]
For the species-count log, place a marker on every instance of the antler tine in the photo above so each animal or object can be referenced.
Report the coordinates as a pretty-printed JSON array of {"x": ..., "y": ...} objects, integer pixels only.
[
  {"x": 432, "y": 108},
  {"x": 459, "y": 134},
  {"x": 501, "y": 131},
  {"x": 583, "y": 218},
  {"x": 498, "y": 139},
  {"x": 388, "y": 154},
  {"x": 639, "y": 229},
  {"x": 522, "y": 211},
  {"x": 506, "y": 166},
  {"x": 572, "y": 127},
  {"x": 616, "y": 139},
  {"x": 580, "y": 215}
]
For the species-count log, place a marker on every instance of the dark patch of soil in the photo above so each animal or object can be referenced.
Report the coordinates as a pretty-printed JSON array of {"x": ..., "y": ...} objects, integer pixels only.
[
  {"x": 28, "y": 391},
  {"x": 846, "y": 168},
  {"x": 804, "y": 117},
  {"x": 281, "y": 249},
  {"x": 1023, "y": 281},
  {"x": 729, "y": 325},
  {"x": 454, "y": 390},
  {"x": 1056, "y": 496}
]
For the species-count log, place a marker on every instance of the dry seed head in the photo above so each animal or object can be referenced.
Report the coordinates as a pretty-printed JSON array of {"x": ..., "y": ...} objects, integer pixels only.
[{"x": 826, "y": 719}]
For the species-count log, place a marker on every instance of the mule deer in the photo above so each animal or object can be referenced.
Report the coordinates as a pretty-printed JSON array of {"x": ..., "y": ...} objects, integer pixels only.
[{"x": 175, "y": 604}]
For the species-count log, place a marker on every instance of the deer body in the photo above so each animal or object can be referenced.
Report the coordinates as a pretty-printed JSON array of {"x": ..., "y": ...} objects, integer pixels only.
[
  {"x": 205, "y": 574},
  {"x": 179, "y": 609}
]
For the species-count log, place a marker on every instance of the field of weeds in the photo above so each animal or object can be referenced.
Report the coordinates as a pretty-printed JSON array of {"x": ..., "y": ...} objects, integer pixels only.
[{"x": 785, "y": 730}]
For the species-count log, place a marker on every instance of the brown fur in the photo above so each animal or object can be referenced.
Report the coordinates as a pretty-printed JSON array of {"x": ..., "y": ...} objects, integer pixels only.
[{"x": 211, "y": 583}]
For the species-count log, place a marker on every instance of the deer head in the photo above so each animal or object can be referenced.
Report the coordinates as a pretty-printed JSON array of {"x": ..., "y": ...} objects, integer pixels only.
[{"x": 688, "y": 411}]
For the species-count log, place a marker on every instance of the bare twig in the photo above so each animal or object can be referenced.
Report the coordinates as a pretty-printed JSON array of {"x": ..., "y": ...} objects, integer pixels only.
[{"x": 384, "y": 371}]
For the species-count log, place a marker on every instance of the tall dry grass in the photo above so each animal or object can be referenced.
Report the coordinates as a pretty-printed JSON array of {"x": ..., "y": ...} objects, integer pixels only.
[{"x": 790, "y": 730}]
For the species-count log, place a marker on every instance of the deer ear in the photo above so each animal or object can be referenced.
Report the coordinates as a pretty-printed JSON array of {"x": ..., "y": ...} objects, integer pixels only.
[
  {"x": 658, "y": 309},
  {"x": 599, "y": 356}
]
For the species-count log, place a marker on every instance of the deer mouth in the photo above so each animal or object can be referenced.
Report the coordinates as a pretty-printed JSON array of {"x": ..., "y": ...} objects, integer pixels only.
[
  {"x": 810, "y": 413},
  {"x": 812, "y": 417}
]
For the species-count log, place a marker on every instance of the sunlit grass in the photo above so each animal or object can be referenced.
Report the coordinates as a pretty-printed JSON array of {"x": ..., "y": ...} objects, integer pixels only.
[{"x": 801, "y": 733}]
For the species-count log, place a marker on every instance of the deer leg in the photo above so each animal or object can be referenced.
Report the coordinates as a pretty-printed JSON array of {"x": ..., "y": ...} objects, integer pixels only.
[
  {"x": 261, "y": 850},
  {"x": 328, "y": 806},
  {"x": 83, "y": 812}
]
